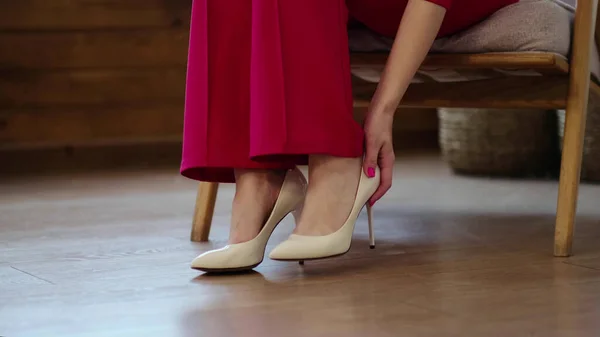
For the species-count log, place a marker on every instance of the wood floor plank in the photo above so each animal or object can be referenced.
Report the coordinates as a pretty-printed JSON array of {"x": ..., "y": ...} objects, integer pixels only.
[
  {"x": 591, "y": 261},
  {"x": 548, "y": 310},
  {"x": 107, "y": 254},
  {"x": 13, "y": 276}
]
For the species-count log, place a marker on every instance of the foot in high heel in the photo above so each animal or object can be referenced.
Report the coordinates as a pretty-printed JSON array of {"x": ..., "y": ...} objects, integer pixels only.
[
  {"x": 305, "y": 247},
  {"x": 249, "y": 254}
]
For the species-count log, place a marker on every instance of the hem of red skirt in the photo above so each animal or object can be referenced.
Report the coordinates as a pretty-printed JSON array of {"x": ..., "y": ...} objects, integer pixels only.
[{"x": 222, "y": 172}]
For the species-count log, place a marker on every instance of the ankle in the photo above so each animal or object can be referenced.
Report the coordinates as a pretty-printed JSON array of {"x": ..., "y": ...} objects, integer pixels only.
[
  {"x": 323, "y": 166},
  {"x": 258, "y": 176},
  {"x": 255, "y": 195},
  {"x": 259, "y": 183}
]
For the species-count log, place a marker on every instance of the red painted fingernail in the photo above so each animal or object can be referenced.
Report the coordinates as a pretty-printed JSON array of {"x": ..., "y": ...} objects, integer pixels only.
[{"x": 371, "y": 172}]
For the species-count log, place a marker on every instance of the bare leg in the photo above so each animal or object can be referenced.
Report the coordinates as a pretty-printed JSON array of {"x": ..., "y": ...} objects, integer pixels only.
[
  {"x": 331, "y": 191},
  {"x": 256, "y": 191}
]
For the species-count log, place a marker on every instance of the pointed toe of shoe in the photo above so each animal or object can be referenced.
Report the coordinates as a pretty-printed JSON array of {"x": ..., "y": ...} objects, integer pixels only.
[
  {"x": 208, "y": 261},
  {"x": 287, "y": 250},
  {"x": 230, "y": 258}
]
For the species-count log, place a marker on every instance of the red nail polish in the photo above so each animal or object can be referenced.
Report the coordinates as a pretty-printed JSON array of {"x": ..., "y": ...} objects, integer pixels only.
[{"x": 371, "y": 172}]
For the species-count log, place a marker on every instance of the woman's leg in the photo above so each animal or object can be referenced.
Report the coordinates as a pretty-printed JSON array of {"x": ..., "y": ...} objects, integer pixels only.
[
  {"x": 256, "y": 191},
  {"x": 269, "y": 85}
]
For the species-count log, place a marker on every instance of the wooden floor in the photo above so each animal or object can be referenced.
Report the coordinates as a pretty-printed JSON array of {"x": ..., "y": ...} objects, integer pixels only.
[{"x": 107, "y": 255}]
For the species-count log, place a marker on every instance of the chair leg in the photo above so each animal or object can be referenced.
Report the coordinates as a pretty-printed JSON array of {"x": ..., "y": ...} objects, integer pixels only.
[
  {"x": 569, "y": 181},
  {"x": 577, "y": 101},
  {"x": 204, "y": 210}
]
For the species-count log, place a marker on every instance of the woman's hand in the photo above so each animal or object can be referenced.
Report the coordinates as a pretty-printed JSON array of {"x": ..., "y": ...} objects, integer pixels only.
[
  {"x": 379, "y": 149},
  {"x": 418, "y": 29}
]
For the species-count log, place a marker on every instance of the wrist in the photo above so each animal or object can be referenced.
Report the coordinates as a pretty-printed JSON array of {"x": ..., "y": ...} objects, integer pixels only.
[
  {"x": 385, "y": 101},
  {"x": 382, "y": 107}
]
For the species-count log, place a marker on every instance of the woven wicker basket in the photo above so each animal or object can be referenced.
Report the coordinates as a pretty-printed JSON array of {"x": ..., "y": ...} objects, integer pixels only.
[
  {"x": 499, "y": 142},
  {"x": 590, "y": 166}
]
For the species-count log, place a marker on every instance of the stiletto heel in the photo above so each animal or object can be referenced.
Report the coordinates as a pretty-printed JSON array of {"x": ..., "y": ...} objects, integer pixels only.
[
  {"x": 247, "y": 255},
  {"x": 302, "y": 247},
  {"x": 371, "y": 231},
  {"x": 296, "y": 215}
]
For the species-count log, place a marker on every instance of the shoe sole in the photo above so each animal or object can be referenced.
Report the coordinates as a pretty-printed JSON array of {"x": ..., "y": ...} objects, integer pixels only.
[
  {"x": 227, "y": 270},
  {"x": 313, "y": 258}
]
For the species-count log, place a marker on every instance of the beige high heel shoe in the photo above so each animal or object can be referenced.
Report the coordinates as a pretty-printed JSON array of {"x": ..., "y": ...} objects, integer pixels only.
[
  {"x": 247, "y": 255},
  {"x": 302, "y": 247}
]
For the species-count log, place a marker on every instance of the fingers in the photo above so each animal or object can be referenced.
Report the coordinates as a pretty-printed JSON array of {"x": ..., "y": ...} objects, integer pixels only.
[
  {"x": 386, "y": 164},
  {"x": 371, "y": 156}
]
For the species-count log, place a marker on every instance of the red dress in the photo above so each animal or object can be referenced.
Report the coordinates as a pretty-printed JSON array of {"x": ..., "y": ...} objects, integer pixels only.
[{"x": 269, "y": 80}]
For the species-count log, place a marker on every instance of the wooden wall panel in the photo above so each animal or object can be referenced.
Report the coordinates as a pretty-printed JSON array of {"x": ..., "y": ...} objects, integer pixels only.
[
  {"x": 87, "y": 125},
  {"x": 102, "y": 48},
  {"x": 91, "y": 87},
  {"x": 83, "y": 72},
  {"x": 70, "y": 159},
  {"x": 92, "y": 14}
]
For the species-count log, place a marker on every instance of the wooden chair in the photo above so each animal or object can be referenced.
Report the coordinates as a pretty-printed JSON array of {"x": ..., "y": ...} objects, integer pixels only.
[{"x": 564, "y": 85}]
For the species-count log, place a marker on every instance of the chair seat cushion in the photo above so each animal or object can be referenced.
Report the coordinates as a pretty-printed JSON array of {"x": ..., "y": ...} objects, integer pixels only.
[{"x": 529, "y": 26}]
